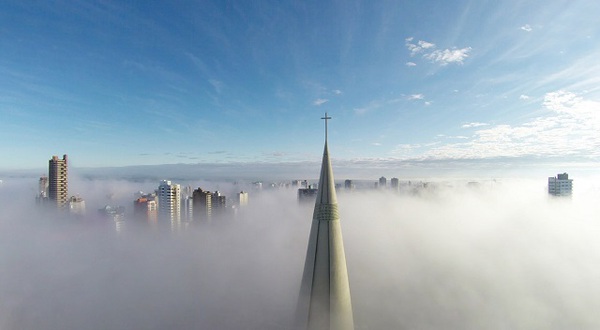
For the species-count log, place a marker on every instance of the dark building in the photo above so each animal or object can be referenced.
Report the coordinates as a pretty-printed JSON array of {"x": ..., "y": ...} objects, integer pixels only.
[{"x": 201, "y": 204}]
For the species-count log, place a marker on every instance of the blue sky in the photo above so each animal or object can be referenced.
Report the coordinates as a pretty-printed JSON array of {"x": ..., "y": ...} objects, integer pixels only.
[{"x": 151, "y": 82}]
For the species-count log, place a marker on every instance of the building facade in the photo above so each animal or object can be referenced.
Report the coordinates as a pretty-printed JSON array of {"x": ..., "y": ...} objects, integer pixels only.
[
  {"x": 77, "y": 206},
  {"x": 58, "y": 182},
  {"x": 382, "y": 182},
  {"x": 218, "y": 203},
  {"x": 169, "y": 200},
  {"x": 146, "y": 207},
  {"x": 242, "y": 198},
  {"x": 201, "y": 204},
  {"x": 560, "y": 185}
]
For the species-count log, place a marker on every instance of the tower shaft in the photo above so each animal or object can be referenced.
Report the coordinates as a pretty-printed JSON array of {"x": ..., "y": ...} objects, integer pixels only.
[{"x": 325, "y": 301}]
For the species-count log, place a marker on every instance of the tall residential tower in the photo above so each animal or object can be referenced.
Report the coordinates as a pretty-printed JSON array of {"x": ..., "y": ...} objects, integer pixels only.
[
  {"x": 57, "y": 181},
  {"x": 169, "y": 204},
  {"x": 324, "y": 301}
]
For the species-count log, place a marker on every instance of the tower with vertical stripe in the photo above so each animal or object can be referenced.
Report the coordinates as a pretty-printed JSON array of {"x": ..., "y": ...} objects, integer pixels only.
[{"x": 324, "y": 301}]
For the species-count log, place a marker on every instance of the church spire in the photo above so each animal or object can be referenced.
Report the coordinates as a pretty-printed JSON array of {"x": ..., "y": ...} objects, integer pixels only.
[{"x": 324, "y": 301}]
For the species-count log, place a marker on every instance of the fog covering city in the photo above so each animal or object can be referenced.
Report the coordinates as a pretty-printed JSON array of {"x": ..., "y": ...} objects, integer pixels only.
[{"x": 499, "y": 255}]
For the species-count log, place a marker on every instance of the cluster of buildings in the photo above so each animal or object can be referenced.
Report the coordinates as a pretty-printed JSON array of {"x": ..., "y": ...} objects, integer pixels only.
[
  {"x": 560, "y": 185},
  {"x": 169, "y": 202},
  {"x": 166, "y": 202},
  {"x": 324, "y": 300}
]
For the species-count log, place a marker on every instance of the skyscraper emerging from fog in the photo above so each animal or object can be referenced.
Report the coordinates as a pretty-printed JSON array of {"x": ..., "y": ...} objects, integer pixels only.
[
  {"x": 560, "y": 185},
  {"x": 202, "y": 204},
  {"x": 57, "y": 181},
  {"x": 324, "y": 301},
  {"x": 169, "y": 200},
  {"x": 382, "y": 182}
]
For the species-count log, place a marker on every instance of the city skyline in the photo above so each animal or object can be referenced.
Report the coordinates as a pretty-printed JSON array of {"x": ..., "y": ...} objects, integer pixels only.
[{"x": 434, "y": 85}]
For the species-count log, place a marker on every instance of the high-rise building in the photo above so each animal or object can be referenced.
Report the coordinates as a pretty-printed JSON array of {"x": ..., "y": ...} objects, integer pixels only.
[
  {"x": 43, "y": 186},
  {"x": 382, "y": 182},
  {"x": 348, "y": 185},
  {"x": 42, "y": 196},
  {"x": 187, "y": 204},
  {"x": 169, "y": 200},
  {"x": 146, "y": 207},
  {"x": 57, "y": 182},
  {"x": 560, "y": 185},
  {"x": 202, "y": 204},
  {"x": 324, "y": 301},
  {"x": 242, "y": 198},
  {"x": 218, "y": 203},
  {"x": 77, "y": 205},
  {"x": 395, "y": 183},
  {"x": 307, "y": 194}
]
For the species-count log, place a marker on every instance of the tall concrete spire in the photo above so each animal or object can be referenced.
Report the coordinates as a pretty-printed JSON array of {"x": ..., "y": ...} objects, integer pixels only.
[{"x": 324, "y": 301}]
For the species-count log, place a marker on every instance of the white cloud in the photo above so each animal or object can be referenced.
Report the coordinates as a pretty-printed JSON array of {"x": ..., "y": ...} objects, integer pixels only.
[
  {"x": 474, "y": 124},
  {"x": 319, "y": 102},
  {"x": 428, "y": 103},
  {"x": 526, "y": 28},
  {"x": 419, "y": 47},
  {"x": 377, "y": 144},
  {"x": 425, "y": 44},
  {"x": 441, "y": 56},
  {"x": 337, "y": 92},
  {"x": 569, "y": 130},
  {"x": 524, "y": 97},
  {"x": 415, "y": 97},
  {"x": 446, "y": 56}
]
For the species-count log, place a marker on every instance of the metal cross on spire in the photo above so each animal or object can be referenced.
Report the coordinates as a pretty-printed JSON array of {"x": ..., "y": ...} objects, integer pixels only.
[{"x": 326, "y": 118}]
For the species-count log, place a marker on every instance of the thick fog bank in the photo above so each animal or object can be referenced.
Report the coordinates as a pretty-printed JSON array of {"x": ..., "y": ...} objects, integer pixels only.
[
  {"x": 497, "y": 256},
  {"x": 502, "y": 256}
]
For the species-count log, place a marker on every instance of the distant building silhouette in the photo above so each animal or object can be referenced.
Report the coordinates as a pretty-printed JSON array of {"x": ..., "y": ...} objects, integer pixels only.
[
  {"x": 77, "y": 205},
  {"x": 58, "y": 182},
  {"x": 42, "y": 196},
  {"x": 116, "y": 213},
  {"x": 307, "y": 194},
  {"x": 218, "y": 203},
  {"x": 382, "y": 183},
  {"x": 348, "y": 185},
  {"x": 242, "y": 198},
  {"x": 43, "y": 186},
  {"x": 395, "y": 183},
  {"x": 560, "y": 185}
]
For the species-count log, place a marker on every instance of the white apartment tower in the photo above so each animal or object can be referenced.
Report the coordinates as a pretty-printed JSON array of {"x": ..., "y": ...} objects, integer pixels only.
[
  {"x": 169, "y": 200},
  {"x": 242, "y": 198},
  {"x": 560, "y": 185}
]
